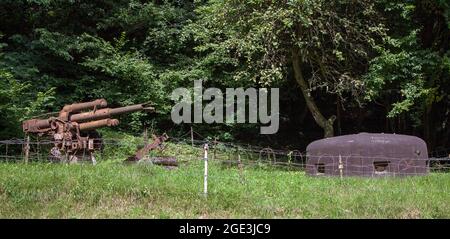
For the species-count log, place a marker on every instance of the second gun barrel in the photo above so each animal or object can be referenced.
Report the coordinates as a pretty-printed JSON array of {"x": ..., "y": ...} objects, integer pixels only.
[
  {"x": 105, "y": 113},
  {"x": 97, "y": 124}
]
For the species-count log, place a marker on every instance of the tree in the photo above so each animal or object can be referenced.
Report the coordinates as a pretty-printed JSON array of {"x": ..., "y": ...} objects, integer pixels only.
[
  {"x": 411, "y": 74},
  {"x": 93, "y": 49},
  {"x": 326, "y": 43}
]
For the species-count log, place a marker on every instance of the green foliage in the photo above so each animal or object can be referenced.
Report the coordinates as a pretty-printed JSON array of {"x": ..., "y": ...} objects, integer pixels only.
[
  {"x": 142, "y": 191},
  {"x": 399, "y": 68},
  {"x": 9, "y": 92},
  {"x": 119, "y": 148},
  {"x": 16, "y": 103},
  {"x": 255, "y": 39},
  {"x": 406, "y": 71},
  {"x": 85, "y": 62},
  {"x": 392, "y": 53}
]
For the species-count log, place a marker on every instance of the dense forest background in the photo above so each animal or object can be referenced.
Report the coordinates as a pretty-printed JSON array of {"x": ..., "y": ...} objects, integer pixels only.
[{"x": 342, "y": 66}]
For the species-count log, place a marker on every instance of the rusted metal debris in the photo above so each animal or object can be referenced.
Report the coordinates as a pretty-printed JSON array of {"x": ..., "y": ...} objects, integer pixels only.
[
  {"x": 142, "y": 156},
  {"x": 73, "y": 130},
  {"x": 162, "y": 161},
  {"x": 157, "y": 143}
]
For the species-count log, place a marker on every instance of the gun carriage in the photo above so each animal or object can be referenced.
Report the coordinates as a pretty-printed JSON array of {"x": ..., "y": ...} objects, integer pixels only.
[{"x": 73, "y": 131}]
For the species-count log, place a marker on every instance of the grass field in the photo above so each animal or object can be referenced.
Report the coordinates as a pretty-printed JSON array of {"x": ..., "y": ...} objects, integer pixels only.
[{"x": 113, "y": 190}]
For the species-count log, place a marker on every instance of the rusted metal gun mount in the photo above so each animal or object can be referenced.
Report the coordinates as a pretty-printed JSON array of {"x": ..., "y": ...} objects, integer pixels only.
[
  {"x": 156, "y": 144},
  {"x": 73, "y": 131}
]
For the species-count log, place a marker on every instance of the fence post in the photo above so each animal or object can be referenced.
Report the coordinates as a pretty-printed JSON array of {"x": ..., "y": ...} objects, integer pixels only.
[
  {"x": 241, "y": 169},
  {"x": 341, "y": 167},
  {"x": 145, "y": 134},
  {"x": 214, "y": 149},
  {"x": 27, "y": 148},
  {"x": 92, "y": 156},
  {"x": 192, "y": 137},
  {"x": 290, "y": 158},
  {"x": 38, "y": 149},
  {"x": 205, "y": 177}
]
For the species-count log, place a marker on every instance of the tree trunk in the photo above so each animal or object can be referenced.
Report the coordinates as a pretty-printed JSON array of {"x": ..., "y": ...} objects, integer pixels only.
[{"x": 325, "y": 124}]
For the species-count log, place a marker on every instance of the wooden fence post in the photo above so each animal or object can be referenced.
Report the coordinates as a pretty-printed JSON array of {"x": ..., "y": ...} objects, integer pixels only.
[
  {"x": 192, "y": 137},
  {"x": 27, "y": 149}
]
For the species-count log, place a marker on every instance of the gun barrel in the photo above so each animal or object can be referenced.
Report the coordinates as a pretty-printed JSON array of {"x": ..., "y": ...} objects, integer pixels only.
[
  {"x": 100, "y": 103},
  {"x": 126, "y": 109},
  {"x": 98, "y": 124},
  {"x": 35, "y": 125},
  {"x": 107, "y": 113},
  {"x": 87, "y": 120}
]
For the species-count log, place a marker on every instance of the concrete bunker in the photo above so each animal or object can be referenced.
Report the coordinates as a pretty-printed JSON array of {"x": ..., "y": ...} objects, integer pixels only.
[{"x": 368, "y": 155}]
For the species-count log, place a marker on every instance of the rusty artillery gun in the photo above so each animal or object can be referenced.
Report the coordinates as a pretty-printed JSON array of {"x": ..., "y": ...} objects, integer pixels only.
[{"x": 73, "y": 130}]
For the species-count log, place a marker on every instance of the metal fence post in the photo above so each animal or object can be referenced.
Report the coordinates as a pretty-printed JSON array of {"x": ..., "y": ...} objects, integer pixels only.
[
  {"x": 205, "y": 177},
  {"x": 241, "y": 169}
]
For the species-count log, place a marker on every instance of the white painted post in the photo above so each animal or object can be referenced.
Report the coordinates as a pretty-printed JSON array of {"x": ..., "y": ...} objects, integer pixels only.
[
  {"x": 241, "y": 170},
  {"x": 205, "y": 178},
  {"x": 341, "y": 167}
]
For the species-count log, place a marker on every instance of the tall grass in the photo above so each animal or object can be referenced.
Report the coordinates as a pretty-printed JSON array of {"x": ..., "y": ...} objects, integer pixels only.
[
  {"x": 108, "y": 190},
  {"x": 112, "y": 189}
]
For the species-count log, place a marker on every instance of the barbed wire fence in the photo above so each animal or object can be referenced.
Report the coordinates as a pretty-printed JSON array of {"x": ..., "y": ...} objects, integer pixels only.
[
  {"x": 14, "y": 150},
  {"x": 239, "y": 158}
]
